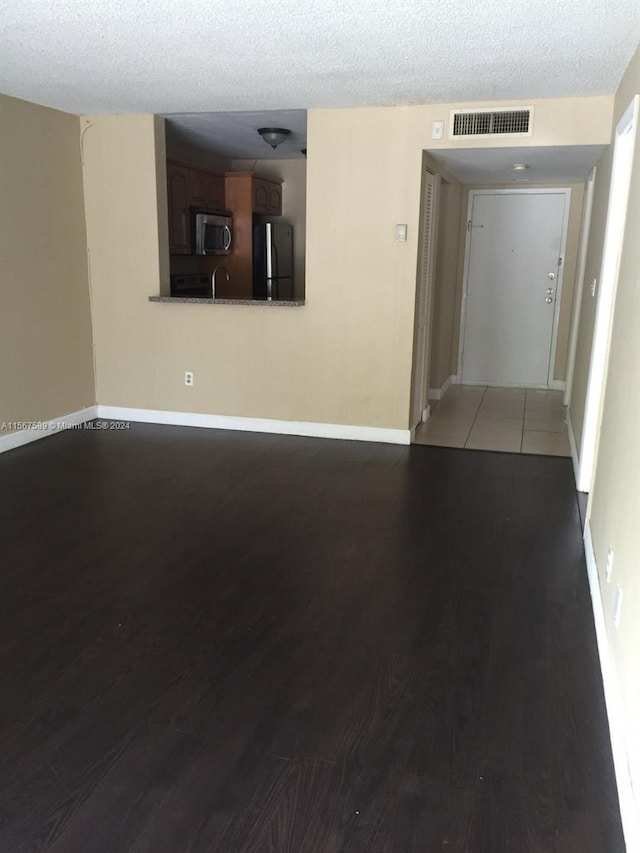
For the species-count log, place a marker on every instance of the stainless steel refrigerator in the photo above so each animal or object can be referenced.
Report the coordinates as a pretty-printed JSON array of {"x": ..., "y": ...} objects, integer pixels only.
[{"x": 272, "y": 261}]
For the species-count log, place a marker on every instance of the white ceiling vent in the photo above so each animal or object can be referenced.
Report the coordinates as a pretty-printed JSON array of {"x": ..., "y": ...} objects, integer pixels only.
[{"x": 500, "y": 121}]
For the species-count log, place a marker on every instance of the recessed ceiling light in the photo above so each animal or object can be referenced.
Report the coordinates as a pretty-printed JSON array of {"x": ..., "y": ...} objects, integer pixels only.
[
  {"x": 521, "y": 181},
  {"x": 520, "y": 167}
]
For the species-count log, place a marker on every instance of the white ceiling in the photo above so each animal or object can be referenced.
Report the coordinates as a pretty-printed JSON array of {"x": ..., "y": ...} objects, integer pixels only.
[
  {"x": 570, "y": 163},
  {"x": 165, "y": 56},
  {"x": 236, "y": 134}
]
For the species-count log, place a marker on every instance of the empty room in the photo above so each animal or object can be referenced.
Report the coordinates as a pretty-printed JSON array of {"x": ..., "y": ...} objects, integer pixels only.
[{"x": 319, "y": 403}]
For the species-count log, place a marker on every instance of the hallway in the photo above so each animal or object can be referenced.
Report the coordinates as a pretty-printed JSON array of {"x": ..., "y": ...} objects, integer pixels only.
[{"x": 511, "y": 420}]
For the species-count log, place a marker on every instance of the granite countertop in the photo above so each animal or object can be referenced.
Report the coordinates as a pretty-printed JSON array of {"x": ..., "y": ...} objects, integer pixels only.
[{"x": 203, "y": 300}]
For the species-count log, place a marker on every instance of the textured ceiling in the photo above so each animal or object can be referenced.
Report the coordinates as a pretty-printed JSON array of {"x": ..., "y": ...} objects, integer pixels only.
[
  {"x": 570, "y": 163},
  {"x": 235, "y": 134},
  {"x": 164, "y": 56}
]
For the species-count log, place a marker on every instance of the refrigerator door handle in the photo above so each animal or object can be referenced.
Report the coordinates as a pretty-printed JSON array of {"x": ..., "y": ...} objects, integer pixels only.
[{"x": 272, "y": 272}]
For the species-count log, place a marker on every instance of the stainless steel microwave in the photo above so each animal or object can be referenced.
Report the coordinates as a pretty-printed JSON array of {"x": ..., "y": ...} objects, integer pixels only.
[{"x": 213, "y": 235}]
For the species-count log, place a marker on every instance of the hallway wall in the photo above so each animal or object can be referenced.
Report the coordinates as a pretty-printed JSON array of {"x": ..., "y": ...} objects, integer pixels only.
[
  {"x": 588, "y": 302},
  {"x": 443, "y": 344},
  {"x": 615, "y": 500}
]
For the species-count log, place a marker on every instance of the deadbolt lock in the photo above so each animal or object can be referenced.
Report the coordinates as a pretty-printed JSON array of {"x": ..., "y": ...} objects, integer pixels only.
[{"x": 549, "y": 299}]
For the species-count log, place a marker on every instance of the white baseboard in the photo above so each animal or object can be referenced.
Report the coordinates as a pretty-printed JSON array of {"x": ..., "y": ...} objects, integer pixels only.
[
  {"x": 319, "y": 430},
  {"x": 438, "y": 393},
  {"x": 629, "y": 810},
  {"x": 554, "y": 385},
  {"x": 43, "y": 429},
  {"x": 574, "y": 450}
]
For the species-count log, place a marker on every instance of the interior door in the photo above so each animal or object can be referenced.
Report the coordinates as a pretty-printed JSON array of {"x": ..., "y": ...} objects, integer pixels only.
[
  {"x": 419, "y": 393},
  {"x": 515, "y": 246}
]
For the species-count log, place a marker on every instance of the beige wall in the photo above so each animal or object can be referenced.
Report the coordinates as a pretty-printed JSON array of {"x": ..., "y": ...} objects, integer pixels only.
[
  {"x": 445, "y": 284},
  {"x": 557, "y": 121},
  {"x": 615, "y": 501},
  {"x": 343, "y": 358},
  {"x": 293, "y": 174},
  {"x": 124, "y": 220},
  {"x": 569, "y": 276},
  {"x": 46, "y": 361},
  {"x": 325, "y": 362}
]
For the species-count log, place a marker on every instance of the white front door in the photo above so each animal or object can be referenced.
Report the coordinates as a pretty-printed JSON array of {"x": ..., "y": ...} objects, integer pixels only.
[{"x": 516, "y": 240}]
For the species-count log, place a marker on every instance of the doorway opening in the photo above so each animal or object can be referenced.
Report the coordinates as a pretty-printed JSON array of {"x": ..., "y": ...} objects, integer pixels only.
[{"x": 498, "y": 311}]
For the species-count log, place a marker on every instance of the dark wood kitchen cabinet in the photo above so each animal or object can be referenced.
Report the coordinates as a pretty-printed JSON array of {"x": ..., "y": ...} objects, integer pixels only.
[
  {"x": 267, "y": 197},
  {"x": 207, "y": 189},
  {"x": 178, "y": 201},
  {"x": 187, "y": 187},
  {"x": 264, "y": 194}
]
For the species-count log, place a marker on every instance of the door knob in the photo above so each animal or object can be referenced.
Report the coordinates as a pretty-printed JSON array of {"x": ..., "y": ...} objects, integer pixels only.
[
  {"x": 549, "y": 291},
  {"x": 548, "y": 299},
  {"x": 551, "y": 275}
]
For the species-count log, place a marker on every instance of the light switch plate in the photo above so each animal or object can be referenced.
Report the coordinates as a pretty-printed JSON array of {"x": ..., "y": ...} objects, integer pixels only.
[
  {"x": 609, "y": 565},
  {"x": 401, "y": 233},
  {"x": 437, "y": 130}
]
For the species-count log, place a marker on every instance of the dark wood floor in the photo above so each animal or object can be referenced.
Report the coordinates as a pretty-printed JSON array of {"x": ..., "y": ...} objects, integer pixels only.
[{"x": 230, "y": 642}]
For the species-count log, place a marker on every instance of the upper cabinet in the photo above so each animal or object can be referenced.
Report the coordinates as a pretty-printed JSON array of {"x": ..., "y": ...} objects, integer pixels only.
[
  {"x": 178, "y": 202},
  {"x": 187, "y": 187},
  {"x": 207, "y": 189},
  {"x": 267, "y": 196},
  {"x": 259, "y": 195}
]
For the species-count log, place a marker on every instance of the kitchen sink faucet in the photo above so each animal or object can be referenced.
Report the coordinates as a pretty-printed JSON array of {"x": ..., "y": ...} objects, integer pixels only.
[{"x": 213, "y": 278}]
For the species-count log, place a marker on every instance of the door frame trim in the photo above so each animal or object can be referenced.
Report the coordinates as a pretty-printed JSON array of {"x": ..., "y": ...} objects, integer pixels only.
[
  {"x": 428, "y": 301},
  {"x": 578, "y": 289},
  {"x": 566, "y": 191}
]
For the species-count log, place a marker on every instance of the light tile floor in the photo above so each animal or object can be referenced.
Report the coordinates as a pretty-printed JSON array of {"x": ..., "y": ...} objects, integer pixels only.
[{"x": 514, "y": 420}]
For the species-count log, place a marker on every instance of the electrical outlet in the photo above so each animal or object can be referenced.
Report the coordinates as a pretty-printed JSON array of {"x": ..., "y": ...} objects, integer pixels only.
[
  {"x": 594, "y": 285},
  {"x": 188, "y": 379},
  {"x": 617, "y": 606},
  {"x": 609, "y": 566}
]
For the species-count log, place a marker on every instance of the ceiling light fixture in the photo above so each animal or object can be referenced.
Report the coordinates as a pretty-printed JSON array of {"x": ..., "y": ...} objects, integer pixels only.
[
  {"x": 274, "y": 136},
  {"x": 520, "y": 167}
]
